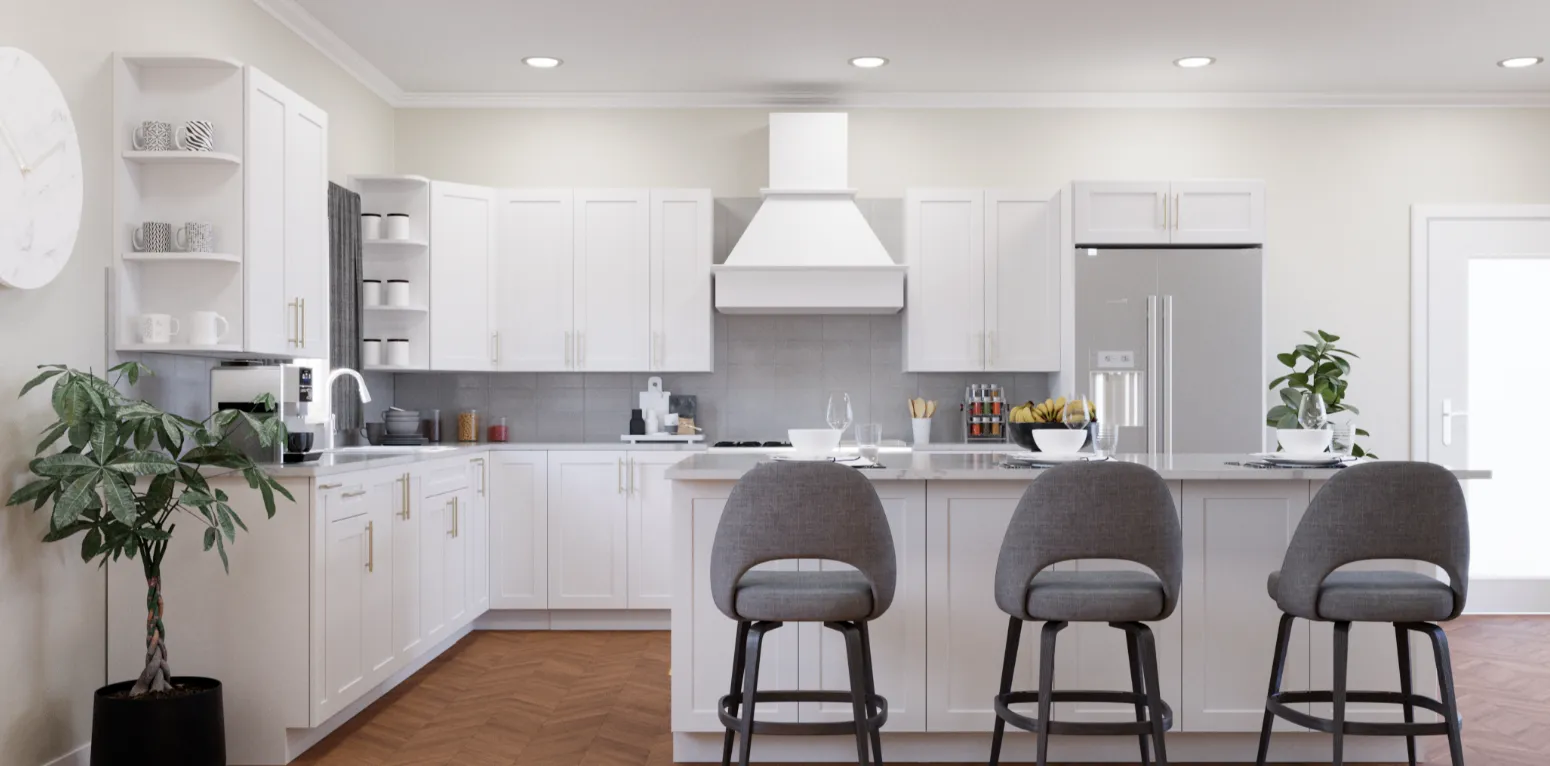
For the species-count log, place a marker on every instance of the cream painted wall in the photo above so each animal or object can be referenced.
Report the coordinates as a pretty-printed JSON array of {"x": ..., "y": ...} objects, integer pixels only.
[
  {"x": 52, "y": 650},
  {"x": 1340, "y": 184}
]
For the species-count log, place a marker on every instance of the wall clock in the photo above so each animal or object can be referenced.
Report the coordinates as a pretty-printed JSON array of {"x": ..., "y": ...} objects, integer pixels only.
[{"x": 40, "y": 174}]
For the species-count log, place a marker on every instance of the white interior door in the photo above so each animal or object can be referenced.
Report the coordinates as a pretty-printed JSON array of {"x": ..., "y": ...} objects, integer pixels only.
[{"x": 1481, "y": 277}]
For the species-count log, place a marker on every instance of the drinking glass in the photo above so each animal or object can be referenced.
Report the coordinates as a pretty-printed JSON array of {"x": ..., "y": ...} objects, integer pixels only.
[
  {"x": 1108, "y": 439},
  {"x": 1343, "y": 439},
  {"x": 1076, "y": 416},
  {"x": 840, "y": 414},
  {"x": 868, "y": 437}
]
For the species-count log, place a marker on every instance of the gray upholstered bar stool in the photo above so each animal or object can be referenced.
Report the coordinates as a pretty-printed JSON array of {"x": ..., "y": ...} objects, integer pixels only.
[
  {"x": 803, "y": 511},
  {"x": 1076, "y": 511},
  {"x": 1390, "y": 510}
]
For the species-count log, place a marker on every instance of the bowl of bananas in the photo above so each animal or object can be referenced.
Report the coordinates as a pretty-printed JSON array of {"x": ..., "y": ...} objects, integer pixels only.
[{"x": 1059, "y": 413}]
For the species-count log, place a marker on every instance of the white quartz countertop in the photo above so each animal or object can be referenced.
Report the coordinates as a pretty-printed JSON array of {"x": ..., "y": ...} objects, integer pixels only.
[
  {"x": 986, "y": 466},
  {"x": 331, "y": 463}
]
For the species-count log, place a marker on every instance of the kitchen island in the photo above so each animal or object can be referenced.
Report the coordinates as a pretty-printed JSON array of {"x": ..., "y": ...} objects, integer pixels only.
[{"x": 938, "y": 649}]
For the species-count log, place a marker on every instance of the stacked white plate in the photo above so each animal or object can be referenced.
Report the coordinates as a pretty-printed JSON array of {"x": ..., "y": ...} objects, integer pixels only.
[
  {"x": 1321, "y": 459},
  {"x": 1054, "y": 457}
]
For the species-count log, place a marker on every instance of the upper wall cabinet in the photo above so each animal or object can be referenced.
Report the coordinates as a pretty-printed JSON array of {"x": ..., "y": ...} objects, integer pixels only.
[
  {"x": 533, "y": 279},
  {"x": 984, "y": 281},
  {"x": 612, "y": 309},
  {"x": 462, "y": 242},
  {"x": 681, "y": 228},
  {"x": 1169, "y": 213}
]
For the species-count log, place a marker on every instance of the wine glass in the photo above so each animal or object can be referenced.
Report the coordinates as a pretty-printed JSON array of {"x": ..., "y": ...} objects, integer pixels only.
[
  {"x": 840, "y": 415},
  {"x": 1076, "y": 416},
  {"x": 1312, "y": 415}
]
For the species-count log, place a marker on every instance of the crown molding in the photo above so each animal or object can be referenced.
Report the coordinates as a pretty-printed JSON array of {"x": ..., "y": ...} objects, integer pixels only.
[{"x": 335, "y": 49}]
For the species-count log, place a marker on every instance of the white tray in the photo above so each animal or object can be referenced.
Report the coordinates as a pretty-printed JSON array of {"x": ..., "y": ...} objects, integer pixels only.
[{"x": 663, "y": 438}]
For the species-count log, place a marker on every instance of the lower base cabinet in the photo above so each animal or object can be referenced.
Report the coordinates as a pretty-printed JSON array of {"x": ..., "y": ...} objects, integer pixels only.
[
  {"x": 588, "y": 527},
  {"x": 519, "y": 530}
]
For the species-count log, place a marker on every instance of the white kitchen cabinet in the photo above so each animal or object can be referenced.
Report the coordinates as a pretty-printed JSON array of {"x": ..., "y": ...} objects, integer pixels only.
[
  {"x": 478, "y": 530},
  {"x": 462, "y": 245},
  {"x": 984, "y": 281},
  {"x": 682, "y": 318},
  {"x": 455, "y": 602},
  {"x": 533, "y": 280},
  {"x": 435, "y": 529},
  {"x": 357, "y": 611},
  {"x": 650, "y": 528},
  {"x": 408, "y": 627},
  {"x": 1169, "y": 212},
  {"x": 286, "y": 207},
  {"x": 519, "y": 530},
  {"x": 588, "y": 557},
  {"x": 613, "y": 275}
]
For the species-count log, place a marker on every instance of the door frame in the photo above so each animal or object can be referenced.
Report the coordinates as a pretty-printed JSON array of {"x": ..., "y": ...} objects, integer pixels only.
[{"x": 1500, "y": 596}]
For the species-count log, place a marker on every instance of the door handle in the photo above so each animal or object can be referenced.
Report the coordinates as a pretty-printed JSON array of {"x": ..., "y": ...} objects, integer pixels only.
[
  {"x": 631, "y": 489},
  {"x": 1164, "y": 197},
  {"x": 495, "y": 347},
  {"x": 301, "y": 334},
  {"x": 405, "y": 513},
  {"x": 480, "y": 461},
  {"x": 295, "y": 307},
  {"x": 371, "y": 546},
  {"x": 329, "y": 486},
  {"x": 1153, "y": 365},
  {"x": 1167, "y": 381},
  {"x": 1448, "y": 414},
  {"x": 354, "y": 494},
  {"x": 1177, "y": 210},
  {"x": 620, "y": 473}
]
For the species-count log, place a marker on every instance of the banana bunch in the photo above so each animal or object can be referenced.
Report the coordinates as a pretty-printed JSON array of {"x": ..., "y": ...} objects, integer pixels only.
[{"x": 1048, "y": 411}]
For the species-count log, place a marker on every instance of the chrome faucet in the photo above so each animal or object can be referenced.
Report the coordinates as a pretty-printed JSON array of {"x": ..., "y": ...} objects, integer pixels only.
[{"x": 328, "y": 391}]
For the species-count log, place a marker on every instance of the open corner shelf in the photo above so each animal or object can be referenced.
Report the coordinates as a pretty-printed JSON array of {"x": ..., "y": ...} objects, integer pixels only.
[
  {"x": 182, "y": 158},
  {"x": 395, "y": 246},
  {"x": 395, "y": 309},
  {"x": 399, "y": 182},
  {"x": 182, "y": 257},
  {"x": 173, "y": 61}
]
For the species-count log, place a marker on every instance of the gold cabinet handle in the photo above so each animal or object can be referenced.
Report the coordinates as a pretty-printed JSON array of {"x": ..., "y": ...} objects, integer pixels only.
[
  {"x": 329, "y": 486},
  {"x": 404, "y": 514},
  {"x": 290, "y": 335},
  {"x": 620, "y": 474},
  {"x": 632, "y": 476},
  {"x": 457, "y": 519},
  {"x": 1166, "y": 224},
  {"x": 354, "y": 494},
  {"x": 371, "y": 546},
  {"x": 301, "y": 334},
  {"x": 495, "y": 338},
  {"x": 482, "y": 479},
  {"x": 1177, "y": 210}
]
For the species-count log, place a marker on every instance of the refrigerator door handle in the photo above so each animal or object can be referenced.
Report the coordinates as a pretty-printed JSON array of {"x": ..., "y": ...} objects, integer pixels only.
[
  {"x": 1167, "y": 381},
  {"x": 1153, "y": 371}
]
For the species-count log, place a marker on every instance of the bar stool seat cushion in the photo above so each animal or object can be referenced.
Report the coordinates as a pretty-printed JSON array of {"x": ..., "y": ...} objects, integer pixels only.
[
  {"x": 1115, "y": 596},
  {"x": 804, "y": 596},
  {"x": 1379, "y": 596}
]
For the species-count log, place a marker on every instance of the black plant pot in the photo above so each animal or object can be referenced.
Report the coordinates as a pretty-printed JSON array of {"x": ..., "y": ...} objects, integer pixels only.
[
  {"x": 187, "y": 728},
  {"x": 1022, "y": 433}
]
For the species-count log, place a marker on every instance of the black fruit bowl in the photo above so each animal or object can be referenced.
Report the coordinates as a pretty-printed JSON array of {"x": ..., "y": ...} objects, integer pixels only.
[{"x": 1022, "y": 433}]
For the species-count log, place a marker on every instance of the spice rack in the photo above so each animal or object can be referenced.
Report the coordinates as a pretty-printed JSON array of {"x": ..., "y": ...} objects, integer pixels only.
[{"x": 984, "y": 414}]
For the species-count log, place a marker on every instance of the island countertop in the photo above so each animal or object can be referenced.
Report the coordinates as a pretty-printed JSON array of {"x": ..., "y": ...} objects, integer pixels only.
[{"x": 987, "y": 466}]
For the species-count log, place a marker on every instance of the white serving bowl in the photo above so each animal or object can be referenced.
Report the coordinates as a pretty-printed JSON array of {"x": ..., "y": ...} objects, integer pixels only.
[
  {"x": 1059, "y": 440},
  {"x": 814, "y": 441},
  {"x": 1302, "y": 441}
]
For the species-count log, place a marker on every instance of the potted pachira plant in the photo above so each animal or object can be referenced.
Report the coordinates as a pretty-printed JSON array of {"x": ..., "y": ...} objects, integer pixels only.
[
  {"x": 1322, "y": 381},
  {"x": 127, "y": 474}
]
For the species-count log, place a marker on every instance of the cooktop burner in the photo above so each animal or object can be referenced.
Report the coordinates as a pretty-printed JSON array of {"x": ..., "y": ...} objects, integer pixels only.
[{"x": 751, "y": 444}]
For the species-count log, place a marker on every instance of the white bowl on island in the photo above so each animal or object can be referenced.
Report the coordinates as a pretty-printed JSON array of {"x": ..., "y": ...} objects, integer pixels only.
[
  {"x": 814, "y": 442},
  {"x": 1304, "y": 441},
  {"x": 1059, "y": 441}
]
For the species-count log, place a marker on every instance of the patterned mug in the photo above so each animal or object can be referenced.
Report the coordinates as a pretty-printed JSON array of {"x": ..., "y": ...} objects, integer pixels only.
[
  {"x": 152, "y": 237},
  {"x": 152, "y": 136},
  {"x": 196, "y": 136},
  {"x": 196, "y": 237}
]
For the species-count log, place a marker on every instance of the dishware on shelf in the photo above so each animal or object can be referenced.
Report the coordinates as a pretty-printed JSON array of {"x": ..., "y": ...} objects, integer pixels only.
[
  {"x": 152, "y": 136},
  {"x": 468, "y": 426},
  {"x": 396, "y": 226},
  {"x": 397, "y": 352},
  {"x": 371, "y": 226},
  {"x": 158, "y": 328},
  {"x": 371, "y": 352},
  {"x": 401, "y": 422},
  {"x": 196, "y": 136},
  {"x": 840, "y": 414},
  {"x": 868, "y": 437},
  {"x": 207, "y": 328},
  {"x": 196, "y": 237},
  {"x": 371, "y": 292},
  {"x": 1304, "y": 441},
  {"x": 152, "y": 237},
  {"x": 498, "y": 431},
  {"x": 921, "y": 429},
  {"x": 396, "y": 292},
  {"x": 814, "y": 442},
  {"x": 1059, "y": 441}
]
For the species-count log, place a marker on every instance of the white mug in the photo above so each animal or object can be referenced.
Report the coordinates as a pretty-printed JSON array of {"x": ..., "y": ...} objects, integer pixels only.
[
  {"x": 158, "y": 328},
  {"x": 207, "y": 328}
]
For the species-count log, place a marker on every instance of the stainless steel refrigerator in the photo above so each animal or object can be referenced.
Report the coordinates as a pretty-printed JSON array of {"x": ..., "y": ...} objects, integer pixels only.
[{"x": 1170, "y": 345}]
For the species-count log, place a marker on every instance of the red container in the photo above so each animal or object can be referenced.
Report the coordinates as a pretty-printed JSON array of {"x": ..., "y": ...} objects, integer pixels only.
[{"x": 498, "y": 431}]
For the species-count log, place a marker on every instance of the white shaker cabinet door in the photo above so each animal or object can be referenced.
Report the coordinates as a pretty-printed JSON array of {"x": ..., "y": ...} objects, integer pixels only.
[
  {"x": 519, "y": 530},
  {"x": 650, "y": 532},
  {"x": 378, "y": 645},
  {"x": 477, "y": 527},
  {"x": 1022, "y": 282},
  {"x": 306, "y": 223},
  {"x": 270, "y": 319},
  {"x": 462, "y": 244},
  {"x": 682, "y": 315},
  {"x": 455, "y": 602},
  {"x": 1122, "y": 212},
  {"x": 534, "y": 280},
  {"x": 613, "y": 280},
  {"x": 944, "y": 244},
  {"x": 344, "y": 675},
  {"x": 1218, "y": 212},
  {"x": 408, "y": 626},
  {"x": 588, "y": 559},
  {"x": 435, "y": 529}
]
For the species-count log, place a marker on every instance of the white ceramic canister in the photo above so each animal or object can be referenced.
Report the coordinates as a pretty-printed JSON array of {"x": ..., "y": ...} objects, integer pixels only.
[
  {"x": 398, "y": 352},
  {"x": 371, "y": 352},
  {"x": 371, "y": 292},
  {"x": 396, "y": 226},
  {"x": 371, "y": 226},
  {"x": 397, "y": 292}
]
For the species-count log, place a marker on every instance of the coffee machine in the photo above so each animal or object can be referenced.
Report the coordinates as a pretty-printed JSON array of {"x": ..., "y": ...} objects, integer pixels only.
[{"x": 235, "y": 386}]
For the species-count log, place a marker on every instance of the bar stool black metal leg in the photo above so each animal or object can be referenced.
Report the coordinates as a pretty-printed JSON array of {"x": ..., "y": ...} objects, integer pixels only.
[
  {"x": 871, "y": 693},
  {"x": 1446, "y": 689},
  {"x": 1277, "y": 669},
  {"x": 738, "y": 657},
  {"x": 858, "y": 702},
  {"x": 1402, "y": 643},
  {"x": 1046, "y": 685},
  {"x": 1136, "y": 687},
  {"x": 1154, "y": 701},
  {"x": 1342, "y": 647},
  {"x": 1014, "y": 633},
  {"x": 751, "y": 686}
]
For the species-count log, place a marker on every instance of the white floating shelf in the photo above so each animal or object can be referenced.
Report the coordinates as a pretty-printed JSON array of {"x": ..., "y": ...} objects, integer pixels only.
[
  {"x": 182, "y": 158},
  {"x": 395, "y": 244},
  {"x": 395, "y": 368},
  {"x": 181, "y": 257},
  {"x": 403, "y": 181},
  {"x": 395, "y": 309},
  {"x": 173, "y": 61},
  {"x": 182, "y": 348}
]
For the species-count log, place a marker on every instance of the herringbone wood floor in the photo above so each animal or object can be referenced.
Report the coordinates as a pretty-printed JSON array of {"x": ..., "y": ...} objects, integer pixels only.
[{"x": 510, "y": 699}]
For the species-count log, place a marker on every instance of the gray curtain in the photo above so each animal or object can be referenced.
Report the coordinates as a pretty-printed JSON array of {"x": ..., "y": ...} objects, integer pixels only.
[{"x": 344, "y": 281}]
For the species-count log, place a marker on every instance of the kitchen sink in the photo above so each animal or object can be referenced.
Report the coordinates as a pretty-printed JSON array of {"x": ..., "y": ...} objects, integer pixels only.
[{"x": 387, "y": 449}]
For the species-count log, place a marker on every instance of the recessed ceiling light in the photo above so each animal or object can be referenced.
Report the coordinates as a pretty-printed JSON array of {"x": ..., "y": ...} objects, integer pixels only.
[
  {"x": 542, "y": 62},
  {"x": 1519, "y": 63},
  {"x": 868, "y": 62},
  {"x": 1194, "y": 62}
]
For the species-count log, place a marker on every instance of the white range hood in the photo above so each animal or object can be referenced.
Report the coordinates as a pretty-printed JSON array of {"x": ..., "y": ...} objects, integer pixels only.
[{"x": 808, "y": 250}]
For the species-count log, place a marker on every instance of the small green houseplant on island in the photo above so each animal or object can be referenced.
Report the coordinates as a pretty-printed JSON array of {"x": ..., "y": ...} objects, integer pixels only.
[
  {"x": 1325, "y": 377},
  {"x": 127, "y": 473}
]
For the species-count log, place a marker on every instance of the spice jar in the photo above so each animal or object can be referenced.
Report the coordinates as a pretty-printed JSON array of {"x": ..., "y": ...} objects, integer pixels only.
[
  {"x": 468, "y": 426},
  {"x": 498, "y": 431}
]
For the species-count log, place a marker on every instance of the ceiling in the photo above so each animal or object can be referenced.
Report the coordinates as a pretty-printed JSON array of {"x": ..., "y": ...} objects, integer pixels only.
[{"x": 958, "y": 52}]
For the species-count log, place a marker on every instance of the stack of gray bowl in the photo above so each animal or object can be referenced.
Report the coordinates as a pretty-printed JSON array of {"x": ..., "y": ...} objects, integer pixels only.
[{"x": 401, "y": 422}]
